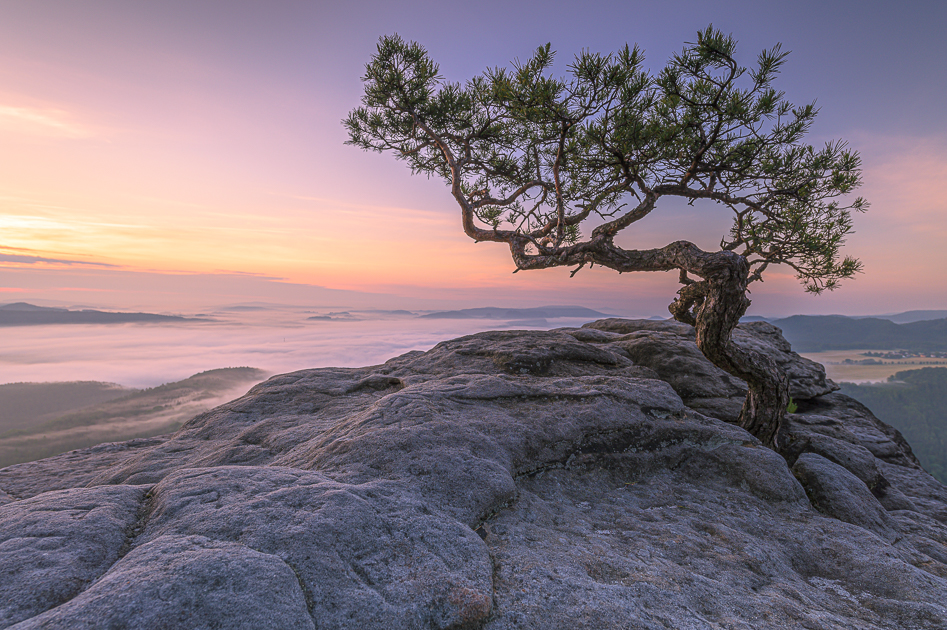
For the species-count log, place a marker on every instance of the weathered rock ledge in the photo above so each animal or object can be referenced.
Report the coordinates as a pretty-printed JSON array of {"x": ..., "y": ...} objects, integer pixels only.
[{"x": 581, "y": 478}]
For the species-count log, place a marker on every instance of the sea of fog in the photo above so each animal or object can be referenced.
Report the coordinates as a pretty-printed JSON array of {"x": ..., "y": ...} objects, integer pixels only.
[{"x": 146, "y": 355}]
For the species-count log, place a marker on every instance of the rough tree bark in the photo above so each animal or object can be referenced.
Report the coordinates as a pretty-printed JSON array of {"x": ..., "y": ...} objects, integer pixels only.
[{"x": 714, "y": 307}]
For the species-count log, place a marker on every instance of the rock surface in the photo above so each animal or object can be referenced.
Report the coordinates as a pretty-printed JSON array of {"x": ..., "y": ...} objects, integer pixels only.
[
  {"x": 579, "y": 477},
  {"x": 670, "y": 349},
  {"x": 836, "y": 492}
]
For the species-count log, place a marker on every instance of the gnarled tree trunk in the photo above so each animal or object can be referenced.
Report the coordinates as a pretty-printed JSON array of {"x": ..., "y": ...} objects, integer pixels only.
[{"x": 714, "y": 306}]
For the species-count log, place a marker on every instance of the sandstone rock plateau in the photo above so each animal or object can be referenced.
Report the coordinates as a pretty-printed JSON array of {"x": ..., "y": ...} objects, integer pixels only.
[{"x": 577, "y": 478}]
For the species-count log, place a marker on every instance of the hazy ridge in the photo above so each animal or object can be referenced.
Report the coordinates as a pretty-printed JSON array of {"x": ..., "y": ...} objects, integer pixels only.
[
  {"x": 24, "y": 314},
  {"x": 24, "y": 404},
  {"x": 817, "y": 333}
]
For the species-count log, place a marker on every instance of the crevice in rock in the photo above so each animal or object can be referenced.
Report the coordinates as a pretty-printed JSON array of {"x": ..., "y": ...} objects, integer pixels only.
[
  {"x": 613, "y": 442},
  {"x": 14, "y": 495},
  {"x": 131, "y": 533},
  {"x": 307, "y": 594},
  {"x": 528, "y": 396},
  {"x": 364, "y": 578},
  {"x": 145, "y": 508},
  {"x": 480, "y": 523},
  {"x": 494, "y": 601},
  {"x": 542, "y": 365},
  {"x": 376, "y": 383}
]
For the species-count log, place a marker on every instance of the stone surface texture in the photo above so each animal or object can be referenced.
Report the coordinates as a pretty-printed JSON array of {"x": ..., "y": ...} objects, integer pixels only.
[{"x": 580, "y": 478}]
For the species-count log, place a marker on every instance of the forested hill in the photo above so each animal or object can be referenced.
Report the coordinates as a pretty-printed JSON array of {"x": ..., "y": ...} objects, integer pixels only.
[
  {"x": 817, "y": 333},
  {"x": 23, "y": 314},
  {"x": 915, "y": 403}
]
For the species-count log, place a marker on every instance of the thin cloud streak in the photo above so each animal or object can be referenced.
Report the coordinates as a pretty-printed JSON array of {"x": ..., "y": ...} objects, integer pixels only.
[
  {"x": 18, "y": 256},
  {"x": 32, "y": 260},
  {"x": 41, "y": 121}
]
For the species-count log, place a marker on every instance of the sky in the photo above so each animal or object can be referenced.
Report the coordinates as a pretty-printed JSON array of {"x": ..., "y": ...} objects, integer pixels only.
[{"x": 175, "y": 155}]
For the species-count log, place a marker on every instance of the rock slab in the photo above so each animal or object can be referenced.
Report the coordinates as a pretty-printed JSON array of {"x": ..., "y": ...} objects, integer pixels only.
[{"x": 512, "y": 479}]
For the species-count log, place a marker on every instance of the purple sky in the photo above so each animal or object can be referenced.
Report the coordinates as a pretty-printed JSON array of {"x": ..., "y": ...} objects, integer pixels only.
[{"x": 175, "y": 155}]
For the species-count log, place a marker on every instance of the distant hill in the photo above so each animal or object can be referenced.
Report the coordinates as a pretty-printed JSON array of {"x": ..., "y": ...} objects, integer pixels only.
[
  {"x": 542, "y": 312},
  {"x": 30, "y": 308},
  {"x": 23, "y": 314},
  {"x": 25, "y": 403},
  {"x": 42, "y": 419},
  {"x": 908, "y": 317},
  {"x": 818, "y": 333},
  {"x": 362, "y": 315}
]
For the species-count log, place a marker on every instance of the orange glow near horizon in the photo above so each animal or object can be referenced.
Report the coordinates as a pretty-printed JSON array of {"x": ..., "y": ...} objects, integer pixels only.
[
  {"x": 345, "y": 245},
  {"x": 301, "y": 242}
]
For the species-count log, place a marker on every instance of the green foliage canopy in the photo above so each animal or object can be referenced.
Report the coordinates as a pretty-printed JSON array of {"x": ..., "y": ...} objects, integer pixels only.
[{"x": 529, "y": 156}]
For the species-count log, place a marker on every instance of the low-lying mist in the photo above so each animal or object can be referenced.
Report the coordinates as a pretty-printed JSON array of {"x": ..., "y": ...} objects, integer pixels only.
[
  {"x": 76, "y": 408},
  {"x": 147, "y": 355}
]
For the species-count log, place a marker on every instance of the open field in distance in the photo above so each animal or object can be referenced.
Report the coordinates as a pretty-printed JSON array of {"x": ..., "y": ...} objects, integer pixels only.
[{"x": 838, "y": 370}]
